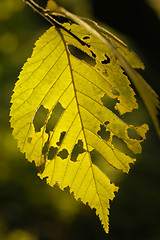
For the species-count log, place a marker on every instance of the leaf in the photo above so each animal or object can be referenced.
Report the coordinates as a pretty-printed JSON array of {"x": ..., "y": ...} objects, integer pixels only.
[{"x": 58, "y": 113}]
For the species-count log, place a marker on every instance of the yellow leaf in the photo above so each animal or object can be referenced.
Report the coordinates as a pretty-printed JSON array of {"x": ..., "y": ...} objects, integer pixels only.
[{"x": 58, "y": 114}]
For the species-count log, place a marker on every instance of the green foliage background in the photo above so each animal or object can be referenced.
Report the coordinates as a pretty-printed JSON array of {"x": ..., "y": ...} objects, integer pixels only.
[{"x": 30, "y": 209}]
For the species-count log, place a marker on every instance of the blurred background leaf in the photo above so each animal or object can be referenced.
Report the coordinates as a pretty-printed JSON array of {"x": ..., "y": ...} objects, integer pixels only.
[
  {"x": 155, "y": 4},
  {"x": 30, "y": 209}
]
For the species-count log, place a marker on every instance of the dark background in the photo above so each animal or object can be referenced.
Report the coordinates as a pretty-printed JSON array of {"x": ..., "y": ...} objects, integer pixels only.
[{"x": 31, "y": 210}]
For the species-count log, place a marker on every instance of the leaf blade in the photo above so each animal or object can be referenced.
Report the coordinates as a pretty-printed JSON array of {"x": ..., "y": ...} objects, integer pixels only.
[{"x": 53, "y": 75}]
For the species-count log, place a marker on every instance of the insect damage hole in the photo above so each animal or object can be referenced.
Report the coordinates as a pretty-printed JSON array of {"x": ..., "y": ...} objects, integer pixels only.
[
  {"x": 61, "y": 138},
  {"x": 78, "y": 149},
  {"x": 78, "y": 53},
  {"x": 105, "y": 135},
  {"x": 45, "y": 147},
  {"x": 52, "y": 152},
  {"x": 106, "y": 60},
  {"x": 55, "y": 116},
  {"x": 40, "y": 118},
  {"x": 63, "y": 154},
  {"x": 133, "y": 134},
  {"x": 110, "y": 103},
  {"x": 29, "y": 140},
  {"x": 86, "y": 37},
  {"x": 93, "y": 54}
]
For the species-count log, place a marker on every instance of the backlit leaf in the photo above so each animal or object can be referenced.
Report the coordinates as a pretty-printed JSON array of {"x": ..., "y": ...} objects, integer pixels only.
[{"x": 59, "y": 115}]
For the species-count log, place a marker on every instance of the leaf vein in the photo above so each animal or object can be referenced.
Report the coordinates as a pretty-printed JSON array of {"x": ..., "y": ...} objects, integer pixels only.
[
  {"x": 107, "y": 145},
  {"x": 41, "y": 64},
  {"x": 40, "y": 82}
]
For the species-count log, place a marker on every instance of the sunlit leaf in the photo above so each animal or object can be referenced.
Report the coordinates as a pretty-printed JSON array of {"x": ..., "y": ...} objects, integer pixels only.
[{"x": 59, "y": 118}]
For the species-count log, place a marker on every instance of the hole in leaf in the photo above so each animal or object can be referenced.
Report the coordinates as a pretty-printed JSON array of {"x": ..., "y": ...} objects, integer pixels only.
[
  {"x": 110, "y": 103},
  {"x": 63, "y": 154},
  {"x": 76, "y": 52},
  {"x": 40, "y": 118},
  {"x": 61, "y": 138},
  {"x": 106, "y": 61},
  {"x": 93, "y": 54},
  {"x": 86, "y": 37},
  {"x": 106, "y": 123},
  {"x": 52, "y": 152},
  {"x": 55, "y": 116},
  {"x": 133, "y": 134},
  {"x": 78, "y": 149},
  {"x": 29, "y": 139},
  {"x": 45, "y": 147},
  {"x": 105, "y": 135}
]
